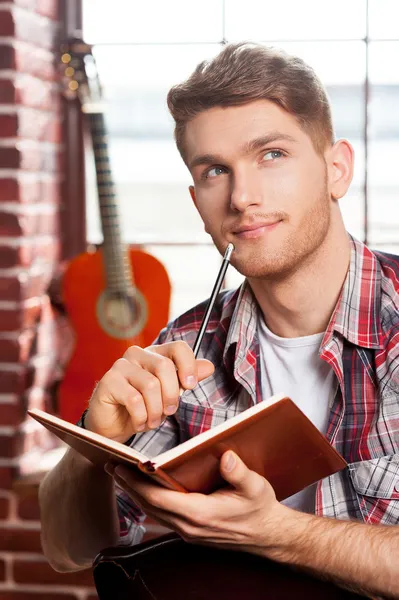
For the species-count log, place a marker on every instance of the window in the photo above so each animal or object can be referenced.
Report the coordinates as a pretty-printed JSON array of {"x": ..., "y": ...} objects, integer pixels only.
[{"x": 143, "y": 48}]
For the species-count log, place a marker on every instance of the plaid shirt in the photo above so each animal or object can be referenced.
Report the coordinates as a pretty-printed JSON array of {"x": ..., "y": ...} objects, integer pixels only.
[{"x": 362, "y": 346}]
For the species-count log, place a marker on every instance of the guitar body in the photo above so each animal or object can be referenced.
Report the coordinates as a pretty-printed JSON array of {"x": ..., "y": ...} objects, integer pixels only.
[{"x": 106, "y": 324}]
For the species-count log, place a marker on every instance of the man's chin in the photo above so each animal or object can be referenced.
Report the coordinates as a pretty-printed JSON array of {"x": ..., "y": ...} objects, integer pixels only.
[{"x": 266, "y": 270}]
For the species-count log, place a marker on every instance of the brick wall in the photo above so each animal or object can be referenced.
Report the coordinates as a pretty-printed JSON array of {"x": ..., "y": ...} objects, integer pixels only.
[
  {"x": 31, "y": 153},
  {"x": 30, "y": 197}
]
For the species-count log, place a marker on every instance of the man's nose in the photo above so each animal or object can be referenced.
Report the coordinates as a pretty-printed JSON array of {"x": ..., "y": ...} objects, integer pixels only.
[{"x": 244, "y": 192}]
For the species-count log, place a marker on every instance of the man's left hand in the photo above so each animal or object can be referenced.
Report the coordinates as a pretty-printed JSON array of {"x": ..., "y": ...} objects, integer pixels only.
[{"x": 243, "y": 516}]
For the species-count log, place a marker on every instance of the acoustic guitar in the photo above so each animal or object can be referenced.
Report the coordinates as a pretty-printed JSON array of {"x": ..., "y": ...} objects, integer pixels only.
[{"x": 115, "y": 296}]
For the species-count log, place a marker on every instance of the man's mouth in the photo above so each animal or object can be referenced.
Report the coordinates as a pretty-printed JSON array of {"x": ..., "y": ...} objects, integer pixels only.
[{"x": 255, "y": 230}]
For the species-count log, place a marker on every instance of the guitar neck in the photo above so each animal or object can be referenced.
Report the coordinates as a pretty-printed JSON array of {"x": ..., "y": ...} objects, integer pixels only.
[{"x": 118, "y": 272}]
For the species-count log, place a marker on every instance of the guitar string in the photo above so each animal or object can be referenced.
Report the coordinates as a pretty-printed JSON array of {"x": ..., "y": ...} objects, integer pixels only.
[{"x": 117, "y": 266}]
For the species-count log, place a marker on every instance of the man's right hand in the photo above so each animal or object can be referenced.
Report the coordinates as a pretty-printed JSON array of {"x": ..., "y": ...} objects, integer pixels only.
[{"x": 142, "y": 388}]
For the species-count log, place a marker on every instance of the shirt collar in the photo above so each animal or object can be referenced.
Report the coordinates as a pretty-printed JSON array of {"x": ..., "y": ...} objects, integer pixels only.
[
  {"x": 243, "y": 322},
  {"x": 357, "y": 315}
]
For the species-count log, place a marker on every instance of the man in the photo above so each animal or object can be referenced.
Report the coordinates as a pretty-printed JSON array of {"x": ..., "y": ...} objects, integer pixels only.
[{"x": 316, "y": 319}]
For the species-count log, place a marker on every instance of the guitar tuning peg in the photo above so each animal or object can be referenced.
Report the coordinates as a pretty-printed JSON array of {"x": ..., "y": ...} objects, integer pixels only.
[
  {"x": 73, "y": 85},
  {"x": 66, "y": 58}
]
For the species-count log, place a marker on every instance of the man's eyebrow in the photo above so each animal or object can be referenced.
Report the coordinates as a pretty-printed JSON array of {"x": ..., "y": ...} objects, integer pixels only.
[
  {"x": 264, "y": 140},
  {"x": 204, "y": 159},
  {"x": 247, "y": 148}
]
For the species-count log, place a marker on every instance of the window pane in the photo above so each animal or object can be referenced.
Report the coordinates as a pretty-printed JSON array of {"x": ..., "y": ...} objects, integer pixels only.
[
  {"x": 192, "y": 271},
  {"x": 344, "y": 79},
  {"x": 383, "y": 19},
  {"x": 295, "y": 20},
  {"x": 150, "y": 175},
  {"x": 157, "y": 21},
  {"x": 384, "y": 143}
]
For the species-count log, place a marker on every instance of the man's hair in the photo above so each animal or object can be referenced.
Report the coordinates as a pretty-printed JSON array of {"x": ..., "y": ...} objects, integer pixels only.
[{"x": 242, "y": 73}]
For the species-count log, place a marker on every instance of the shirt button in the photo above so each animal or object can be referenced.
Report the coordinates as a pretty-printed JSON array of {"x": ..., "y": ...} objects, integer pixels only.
[{"x": 397, "y": 486}]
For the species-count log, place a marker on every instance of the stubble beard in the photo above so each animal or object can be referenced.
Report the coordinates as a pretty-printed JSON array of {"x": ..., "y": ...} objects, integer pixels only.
[{"x": 297, "y": 248}]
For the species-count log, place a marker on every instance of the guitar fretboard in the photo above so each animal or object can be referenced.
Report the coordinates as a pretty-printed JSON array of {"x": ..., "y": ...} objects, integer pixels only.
[{"x": 118, "y": 272}]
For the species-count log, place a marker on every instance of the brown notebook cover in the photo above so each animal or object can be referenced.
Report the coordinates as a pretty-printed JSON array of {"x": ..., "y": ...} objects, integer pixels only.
[{"x": 273, "y": 438}]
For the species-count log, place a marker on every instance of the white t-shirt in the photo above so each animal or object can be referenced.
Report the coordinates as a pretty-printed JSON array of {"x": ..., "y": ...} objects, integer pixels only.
[{"x": 292, "y": 366}]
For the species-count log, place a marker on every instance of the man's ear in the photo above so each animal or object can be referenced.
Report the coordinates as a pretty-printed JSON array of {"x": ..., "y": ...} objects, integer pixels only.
[
  {"x": 192, "y": 194},
  {"x": 341, "y": 164}
]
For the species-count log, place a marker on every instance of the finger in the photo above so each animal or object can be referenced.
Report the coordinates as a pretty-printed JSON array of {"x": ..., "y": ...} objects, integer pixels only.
[
  {"x": 165, "y": 517},
  {"x": 150, "y": 389},
  {"x": 189, "y": 370},
  {"x": 145, "y": 399},
  {"x": 120, "y": 392},
  {"x": 237, "y": 474},
  {"x": 163, "y": 369}
]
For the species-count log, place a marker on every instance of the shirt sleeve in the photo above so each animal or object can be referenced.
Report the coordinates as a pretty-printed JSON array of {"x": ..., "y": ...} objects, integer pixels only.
[{"x": 151, "y": 443}]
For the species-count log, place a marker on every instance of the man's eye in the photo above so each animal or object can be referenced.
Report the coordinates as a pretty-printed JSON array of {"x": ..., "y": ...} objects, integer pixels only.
[
  {"x": 272, "y": 154},
  {"x": 214, "y": 172}
]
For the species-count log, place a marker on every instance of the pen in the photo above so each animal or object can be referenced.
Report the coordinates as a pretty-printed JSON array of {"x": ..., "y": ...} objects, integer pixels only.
[
  {"x": 211, "y": 302},
  {"x": 213, "y": 296}
]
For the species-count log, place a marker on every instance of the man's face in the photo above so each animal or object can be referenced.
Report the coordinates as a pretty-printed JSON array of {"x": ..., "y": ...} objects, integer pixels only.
[{"x": 258, "y": 183}]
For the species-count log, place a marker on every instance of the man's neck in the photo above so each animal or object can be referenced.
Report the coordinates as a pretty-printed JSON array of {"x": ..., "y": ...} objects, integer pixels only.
[{"x": 303, "y": 302}]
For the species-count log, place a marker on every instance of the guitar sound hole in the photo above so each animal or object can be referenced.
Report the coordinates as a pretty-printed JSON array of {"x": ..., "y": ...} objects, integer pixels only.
[{"x": 122, "y": 315}]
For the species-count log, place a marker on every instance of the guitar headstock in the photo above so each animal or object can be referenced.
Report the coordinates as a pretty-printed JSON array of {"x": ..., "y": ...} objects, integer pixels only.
[{"x": 79, "y": 72}]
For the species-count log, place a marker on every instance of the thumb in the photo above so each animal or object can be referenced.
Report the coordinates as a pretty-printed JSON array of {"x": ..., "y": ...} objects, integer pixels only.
[{"x": 235, "y": 472}]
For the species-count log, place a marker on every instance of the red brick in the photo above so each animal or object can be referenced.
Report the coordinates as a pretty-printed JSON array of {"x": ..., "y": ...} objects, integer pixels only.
[
  {"x": 7, "y": 94},
  {"x": 31, "y": 190},
  {"x": 24, "y": 255},
  {"x": 48, "y": 8},
  {"x": 7, "y": 475},
  {"x": 20, "y": 318},
  {"x": 26, "y": 26},
  {"x": 28, "y": 224},
  {"x": 30, "y": 157},
  {"x": 25, "y": 286},
  {"x": 36, "y": 61},
  {"x": 16, "y": 539},
  {"x": 12, "y": 382},
  {"x": 9, "y": 158},
  {"x": 11, "y": 224},
  {"x": 36, "y": 93},
  {"x": 28, "y": 508},
  {"x": 2, "y": 572},
  {"x": 10, "y": 288},
  {"x": 35, "y": 341},
  {"x": 40, "y": 572},
  {"x": 11, "y": 351},
  {"x": 27, "y": 58},
  {"x": 6, "y": 23},
  {"x": 4, "y": 508},
  {"x": 7, "y": 57},
  {"x": 11, "y": 414},
  {"x": 39, "y": 125},
  {"x": 9, "y": 445},
  {"x": 9, "y": 189},
  {"x": 8, "y": 123}
]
